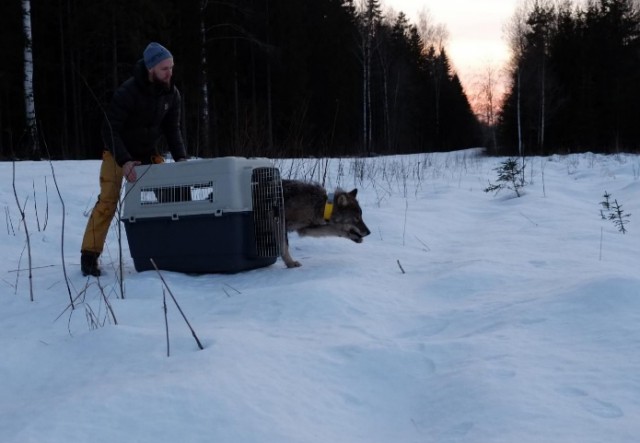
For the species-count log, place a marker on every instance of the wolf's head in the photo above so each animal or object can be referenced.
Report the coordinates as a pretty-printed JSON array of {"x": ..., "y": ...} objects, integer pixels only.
[{"x": 347, "y": 216}]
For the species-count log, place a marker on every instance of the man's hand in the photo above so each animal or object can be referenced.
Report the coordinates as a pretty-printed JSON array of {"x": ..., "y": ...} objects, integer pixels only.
[{"x": 129, "y": 172}]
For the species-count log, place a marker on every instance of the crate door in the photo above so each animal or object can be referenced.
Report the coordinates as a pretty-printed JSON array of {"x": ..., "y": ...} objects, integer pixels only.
[{"x": 268, "y": 211}]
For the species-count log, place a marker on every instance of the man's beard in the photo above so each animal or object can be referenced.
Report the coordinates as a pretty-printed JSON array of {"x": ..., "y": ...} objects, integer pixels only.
[{"x": 159, "y": 82}]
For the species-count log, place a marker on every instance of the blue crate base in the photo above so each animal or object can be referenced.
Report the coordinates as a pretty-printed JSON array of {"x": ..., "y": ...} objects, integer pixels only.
[{"x": 199, "y": 244}]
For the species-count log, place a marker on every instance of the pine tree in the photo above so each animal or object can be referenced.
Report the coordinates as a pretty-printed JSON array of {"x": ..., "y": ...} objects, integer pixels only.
[{"x": 510, "y": 176}]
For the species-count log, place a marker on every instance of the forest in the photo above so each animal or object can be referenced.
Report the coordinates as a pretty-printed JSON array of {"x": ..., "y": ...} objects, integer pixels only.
[
  {"x": 303, "y": 78},
  {"x": 574, "y": 79}
]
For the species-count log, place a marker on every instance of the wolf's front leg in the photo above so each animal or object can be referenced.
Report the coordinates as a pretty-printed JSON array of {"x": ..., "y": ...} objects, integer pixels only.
[{"x": 286, "y": 256}]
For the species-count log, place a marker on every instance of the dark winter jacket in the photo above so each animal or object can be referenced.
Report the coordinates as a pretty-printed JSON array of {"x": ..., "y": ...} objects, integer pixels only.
[{"x": 139, "y": 114}]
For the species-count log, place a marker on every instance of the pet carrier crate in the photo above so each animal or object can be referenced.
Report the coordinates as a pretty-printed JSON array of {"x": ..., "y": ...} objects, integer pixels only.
[{"x": 219, "y": 215}]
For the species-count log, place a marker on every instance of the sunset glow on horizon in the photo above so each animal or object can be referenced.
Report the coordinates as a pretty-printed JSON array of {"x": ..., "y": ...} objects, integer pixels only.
[{"x": 476, "y": 33}]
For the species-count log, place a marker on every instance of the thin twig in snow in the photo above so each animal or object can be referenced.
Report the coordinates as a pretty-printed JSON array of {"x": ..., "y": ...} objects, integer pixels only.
[
  {"x": 166, "y": 320},
  {"x": 36, "y": 267},
  {"x": 26, "y": 232},
  {"x": 229, "y": 286},
  {"x": 404, "y": 229},
  {"x": 177, "y": 305},
  {"x": 64, "y": 266},
  {"x": 423, "y": 244},
  {"x": 106, "y": 302},
  {"x": 35, "y": 204},
  {"x": 532, "y": 222}
]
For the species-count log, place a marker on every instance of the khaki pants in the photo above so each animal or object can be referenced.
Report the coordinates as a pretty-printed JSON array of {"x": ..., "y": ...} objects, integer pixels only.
[{"x": 102, "y": 214}]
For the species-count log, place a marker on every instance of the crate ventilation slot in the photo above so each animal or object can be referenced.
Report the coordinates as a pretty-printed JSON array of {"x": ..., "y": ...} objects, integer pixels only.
[{"x": 177, "y": 193}]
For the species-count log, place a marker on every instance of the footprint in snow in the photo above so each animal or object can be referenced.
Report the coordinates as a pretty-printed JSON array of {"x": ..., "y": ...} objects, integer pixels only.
[
  {"x": 596, "y": 407},
  {"x": 602, "y": 409}
]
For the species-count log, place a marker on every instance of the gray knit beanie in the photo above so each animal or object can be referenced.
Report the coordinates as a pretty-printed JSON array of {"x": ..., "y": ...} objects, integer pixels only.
[{"x": 154, "y": 53}]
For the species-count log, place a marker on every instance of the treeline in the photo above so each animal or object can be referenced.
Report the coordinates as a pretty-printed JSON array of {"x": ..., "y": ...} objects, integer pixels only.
[
  {"x": 258, "y": 77},
  {"x": 323, "y": 77},
  {"x": 575, "y": 79}
]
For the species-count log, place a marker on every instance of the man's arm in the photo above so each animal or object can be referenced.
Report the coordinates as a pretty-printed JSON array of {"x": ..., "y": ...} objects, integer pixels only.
[
  {"x": 119, "y": 109},
  {"x": 172, "y": 130}
]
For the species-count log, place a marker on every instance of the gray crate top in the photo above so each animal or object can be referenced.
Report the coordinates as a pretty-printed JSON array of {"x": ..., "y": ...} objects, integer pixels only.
[{"x": 195, "y": 187}]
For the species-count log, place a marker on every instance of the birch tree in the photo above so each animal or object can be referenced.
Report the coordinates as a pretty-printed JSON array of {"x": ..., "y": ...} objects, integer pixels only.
[
  {"x": 434, "y": 37},
  {"x": 488, "y": 103},
  {"x": 370, "y": 16},
  {"x": 516, "y": 35},
  {"x": 204, "y": 89},
  {"x": 386, "y": 58},
  {"x": 31, "y": 130},
  {"x": 540, "y": 24}
]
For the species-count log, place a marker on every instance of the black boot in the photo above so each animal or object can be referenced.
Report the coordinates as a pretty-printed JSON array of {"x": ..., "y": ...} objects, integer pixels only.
[{"x": 89, "y": 263}]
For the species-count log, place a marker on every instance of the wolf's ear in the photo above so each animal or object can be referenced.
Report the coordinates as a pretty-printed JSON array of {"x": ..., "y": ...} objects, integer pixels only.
[
  {"x": 342, "y": 200},
  {"x": 354, "y": 192}
]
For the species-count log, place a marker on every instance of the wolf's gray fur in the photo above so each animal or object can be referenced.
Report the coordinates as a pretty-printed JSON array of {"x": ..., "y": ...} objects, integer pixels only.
[{"x": 304, "y": 205}]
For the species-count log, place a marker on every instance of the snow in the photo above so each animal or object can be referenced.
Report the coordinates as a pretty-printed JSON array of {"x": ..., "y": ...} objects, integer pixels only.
[{"x": 463, "y": 317}]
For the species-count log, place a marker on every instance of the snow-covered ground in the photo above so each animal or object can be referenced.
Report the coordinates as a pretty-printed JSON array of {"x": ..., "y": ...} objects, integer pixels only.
[{"x": 464, "y": 316}]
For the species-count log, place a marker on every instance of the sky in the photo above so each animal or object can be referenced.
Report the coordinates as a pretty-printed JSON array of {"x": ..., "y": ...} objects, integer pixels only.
[
  {"x": 464, "y": 317},
  {"x": 476, "y": 31}
]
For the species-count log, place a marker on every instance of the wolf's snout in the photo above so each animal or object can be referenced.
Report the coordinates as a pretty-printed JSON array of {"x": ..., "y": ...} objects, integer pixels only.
[
  {"x": 357, "y": 235},
  {"x": 363, "y": 230}
]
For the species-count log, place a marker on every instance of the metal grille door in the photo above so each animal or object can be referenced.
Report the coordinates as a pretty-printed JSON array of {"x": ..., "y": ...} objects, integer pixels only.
[{"x": 268, "y": 211}]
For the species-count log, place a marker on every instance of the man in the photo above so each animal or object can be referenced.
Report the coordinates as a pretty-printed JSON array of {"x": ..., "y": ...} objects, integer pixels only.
[{"x": 143, "y": 109}]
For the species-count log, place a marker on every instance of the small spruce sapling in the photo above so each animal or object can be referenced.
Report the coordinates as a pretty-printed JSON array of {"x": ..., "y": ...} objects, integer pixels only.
[
  {"x": 510, "y": 176},
  {"x": 614, "y": 212},
  {"x": 606, "y": 205},
  {"x": 618, "y": 217}
]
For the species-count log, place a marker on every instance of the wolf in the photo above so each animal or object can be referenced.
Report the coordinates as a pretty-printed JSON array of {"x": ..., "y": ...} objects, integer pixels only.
[{"x": 309, "y": 210}]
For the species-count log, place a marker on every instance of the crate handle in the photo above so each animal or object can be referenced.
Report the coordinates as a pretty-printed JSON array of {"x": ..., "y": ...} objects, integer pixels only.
[{"x": 174, "y": 217}]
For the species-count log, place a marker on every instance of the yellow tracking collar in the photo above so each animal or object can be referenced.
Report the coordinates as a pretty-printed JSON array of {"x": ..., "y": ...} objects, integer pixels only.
[{"x": 328, "y": 207}]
